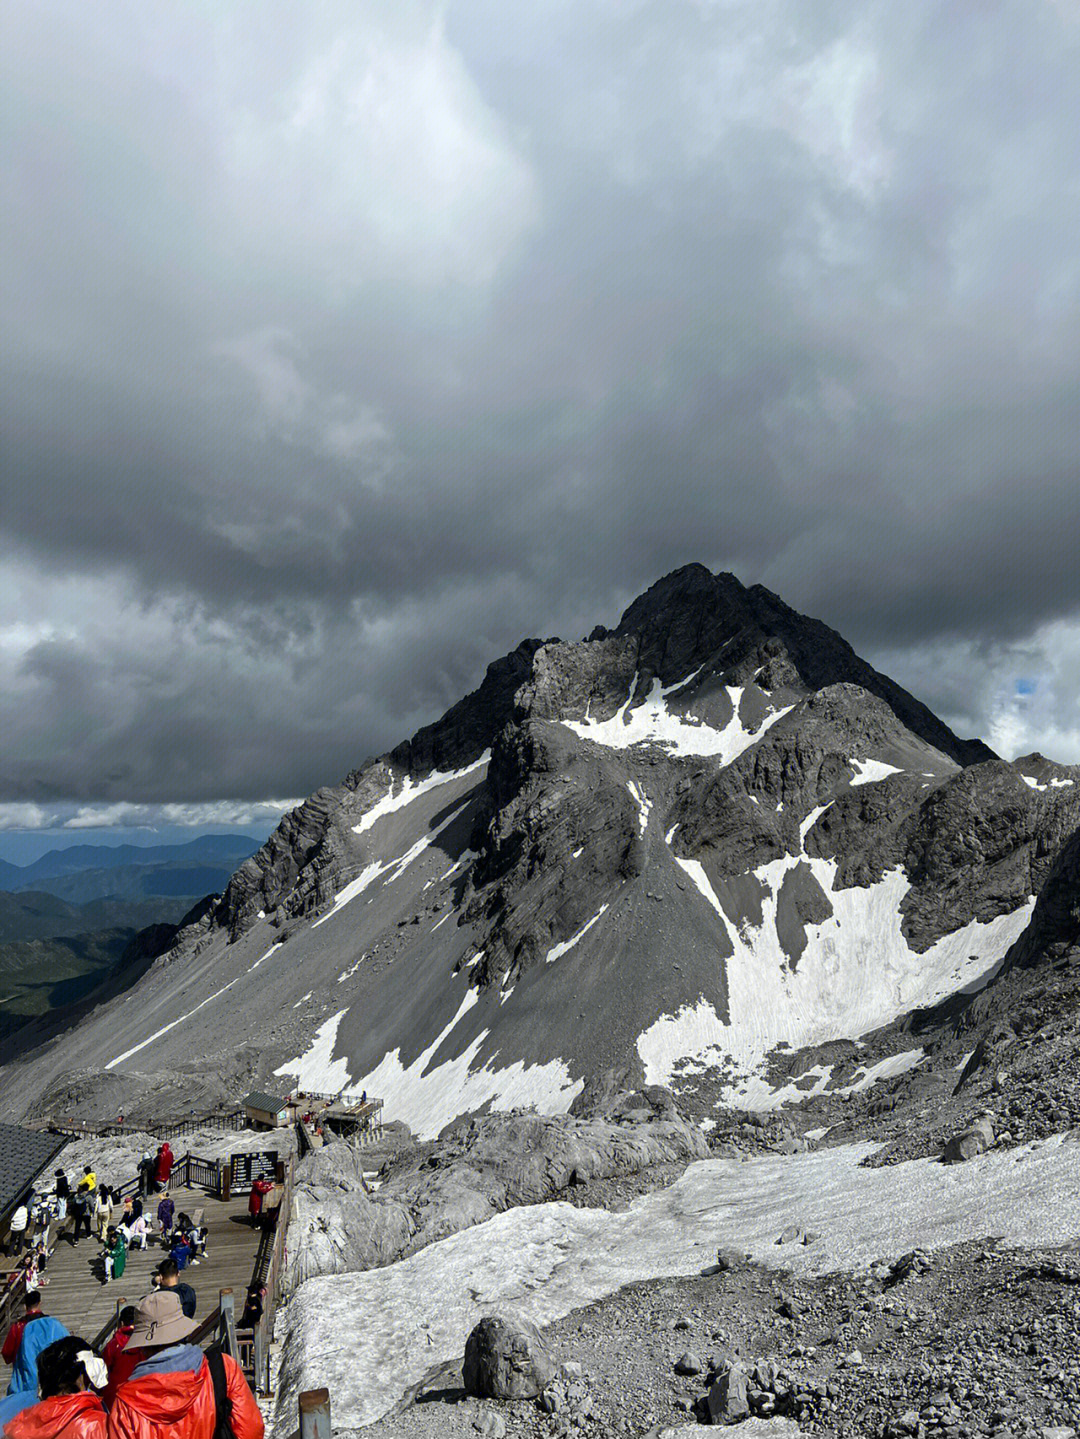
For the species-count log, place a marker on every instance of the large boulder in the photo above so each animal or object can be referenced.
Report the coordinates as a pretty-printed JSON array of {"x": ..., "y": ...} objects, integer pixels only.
[
  {"x": 505, "y": 1358},
  {"x": 727, "y": 1399},
  {"x": 977, "y": 1138}
]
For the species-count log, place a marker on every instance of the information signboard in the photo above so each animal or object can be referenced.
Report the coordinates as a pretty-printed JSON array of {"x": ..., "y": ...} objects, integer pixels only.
[{"x": 245, "y": 1168}]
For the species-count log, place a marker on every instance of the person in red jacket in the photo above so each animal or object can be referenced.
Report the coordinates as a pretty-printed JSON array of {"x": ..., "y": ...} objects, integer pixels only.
[
  {"x": 115, "y": 1347},
  {"x": 259, "y": 1190},
  {"x": 171, "y": 1390},
  {"x": 32, "y": 1306},
  {"x": 163, "y": 1170},
  {"x": 67, "y": 1373}
]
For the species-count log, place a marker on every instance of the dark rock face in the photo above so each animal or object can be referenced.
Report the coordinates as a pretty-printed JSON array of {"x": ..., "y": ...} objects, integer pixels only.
[
  {"x": 1054, "y": 931},
  {"x": 505, "y": 1358},
  {"x": 689, "y": 620},
  {"x": 691, "y": 613},
  {"x": 296, "y": 864}
]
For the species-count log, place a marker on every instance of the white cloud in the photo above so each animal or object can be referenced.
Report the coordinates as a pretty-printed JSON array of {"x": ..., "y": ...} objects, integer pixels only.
[
  {"x": 25, "y": 816},
  {"x": 392, "y": 157}
]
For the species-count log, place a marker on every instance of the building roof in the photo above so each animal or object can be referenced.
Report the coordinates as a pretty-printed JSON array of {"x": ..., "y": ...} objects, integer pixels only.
[
  {"x": 24, "y": 1153},
  {"x": 268, "y": 1102}
]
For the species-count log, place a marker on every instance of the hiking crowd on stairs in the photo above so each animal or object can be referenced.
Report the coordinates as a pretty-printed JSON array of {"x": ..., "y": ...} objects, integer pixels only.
[{"x": 150, "y": 1380}]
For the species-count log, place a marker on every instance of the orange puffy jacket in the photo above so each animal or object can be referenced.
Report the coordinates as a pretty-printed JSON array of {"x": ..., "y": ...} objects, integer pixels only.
[
  {"x": 181, "y": 1405},
  {"x": 66, "y": 1416}
]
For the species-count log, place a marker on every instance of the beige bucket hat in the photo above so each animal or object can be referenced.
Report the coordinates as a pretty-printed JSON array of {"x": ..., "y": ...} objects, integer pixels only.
[{"x": 159, "y": 1319}]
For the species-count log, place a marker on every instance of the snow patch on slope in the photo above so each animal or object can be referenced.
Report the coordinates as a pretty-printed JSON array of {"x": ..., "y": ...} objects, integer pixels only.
[
  {"x": 856, "y": 974},
  {"x": 412, "y": 789},
  {"x": 869, "y": 771},
  {"x": 643, "y": 802},
  {"x": 428, "y": 1099},
  {"x": 370, "y": 1336},
  {"x": 317, "y": 1069},
  {"x": 651, "y": 722},
  {"x": 1050, "y": 784},
  {"x": 568, "y": 944},
  {"x": 371, "y": 872}
]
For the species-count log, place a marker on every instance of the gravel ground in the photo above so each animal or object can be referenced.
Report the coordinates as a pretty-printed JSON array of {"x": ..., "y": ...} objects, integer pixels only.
[{"x": 978, "y": 1342}]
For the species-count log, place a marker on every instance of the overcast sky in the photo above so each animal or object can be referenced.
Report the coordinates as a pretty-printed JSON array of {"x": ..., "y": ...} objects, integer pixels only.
[{"x": 345, "y": 344}]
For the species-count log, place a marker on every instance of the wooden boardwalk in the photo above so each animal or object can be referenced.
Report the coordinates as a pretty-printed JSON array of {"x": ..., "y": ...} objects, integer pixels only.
[{"x": 77, "y": 1296}]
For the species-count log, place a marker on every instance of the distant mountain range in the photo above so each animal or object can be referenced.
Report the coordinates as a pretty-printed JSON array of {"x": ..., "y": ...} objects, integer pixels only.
[
  {"x": 87, "y": 872},
  {"x": 68, "y": 920},
  {"x": 217, "y": 854}
]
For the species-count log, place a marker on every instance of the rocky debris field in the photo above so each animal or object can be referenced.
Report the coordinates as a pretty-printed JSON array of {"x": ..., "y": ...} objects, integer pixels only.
[{"x": 969, "y": 1342}]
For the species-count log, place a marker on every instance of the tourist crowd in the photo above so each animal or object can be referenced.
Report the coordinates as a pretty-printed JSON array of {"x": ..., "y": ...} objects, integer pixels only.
[{"x": 150, "y": 1380}]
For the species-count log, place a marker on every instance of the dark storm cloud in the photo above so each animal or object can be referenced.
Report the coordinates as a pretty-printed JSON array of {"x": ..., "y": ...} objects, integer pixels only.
[{"x": 342, "y": 351}]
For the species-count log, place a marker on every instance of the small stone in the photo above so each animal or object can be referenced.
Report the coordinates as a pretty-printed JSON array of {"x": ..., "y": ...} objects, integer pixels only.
[
  {"x": 789, "y": 1234},
  {"x": 490, "y": 1425},
  {"x": 689, "y": 1363}
]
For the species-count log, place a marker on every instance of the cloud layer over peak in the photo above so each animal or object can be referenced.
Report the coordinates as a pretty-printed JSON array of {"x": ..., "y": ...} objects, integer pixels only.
[{"x": 342, "y": 350}]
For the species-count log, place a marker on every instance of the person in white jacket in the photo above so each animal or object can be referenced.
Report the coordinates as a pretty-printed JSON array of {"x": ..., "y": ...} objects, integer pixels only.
[
  {"x": 135, "y": 1232},
  {"x": 17, "y": 1224}
]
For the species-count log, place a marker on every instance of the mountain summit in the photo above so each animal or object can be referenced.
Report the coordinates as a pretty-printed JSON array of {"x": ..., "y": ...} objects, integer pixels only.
[{"x": 678, "y": 849}]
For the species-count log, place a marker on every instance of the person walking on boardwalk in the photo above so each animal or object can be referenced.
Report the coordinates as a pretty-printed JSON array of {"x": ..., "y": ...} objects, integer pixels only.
[
  {"x": 69, "y": 1374},
  {"x": 80, "y": 1213},
  {"x": 18, "y": 1224},
  {"x": 174, "y": 1389},
  {"x": 165, "y": 1210},
  {"x": 36, "y": 1332},
  {"x": 164, "y": 1167},
  {"x": 103, "y": 1211},
  {"x": 62, "y": 1194},
  {"x": 147, "y": 1170}
]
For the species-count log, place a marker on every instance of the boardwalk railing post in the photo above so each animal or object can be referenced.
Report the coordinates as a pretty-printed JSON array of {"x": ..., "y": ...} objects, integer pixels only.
[{"x": 315, "y": 1414}]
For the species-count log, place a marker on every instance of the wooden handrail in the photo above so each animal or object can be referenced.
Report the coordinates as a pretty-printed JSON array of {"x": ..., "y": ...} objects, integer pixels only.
[{"x": 269, "y": 1272}]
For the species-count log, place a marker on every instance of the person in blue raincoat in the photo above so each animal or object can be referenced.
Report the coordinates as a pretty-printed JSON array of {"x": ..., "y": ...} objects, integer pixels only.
[{"x": 40, "y": 1330}]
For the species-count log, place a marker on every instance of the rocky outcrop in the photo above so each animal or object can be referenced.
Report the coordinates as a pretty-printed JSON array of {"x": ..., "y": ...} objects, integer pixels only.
[{"x": 486, "y": 1166}]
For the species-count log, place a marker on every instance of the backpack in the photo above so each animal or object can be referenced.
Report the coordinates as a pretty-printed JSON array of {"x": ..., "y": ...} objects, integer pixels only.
[{"x": 222, "y": 1402}]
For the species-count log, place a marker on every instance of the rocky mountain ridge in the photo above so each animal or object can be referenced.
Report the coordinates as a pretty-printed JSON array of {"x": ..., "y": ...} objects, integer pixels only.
[{"x": 692, "y": 850}]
